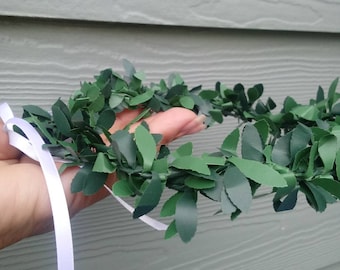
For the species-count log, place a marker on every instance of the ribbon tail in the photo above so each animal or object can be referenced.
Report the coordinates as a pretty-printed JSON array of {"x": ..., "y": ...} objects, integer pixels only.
[{"x": 157, "y": 225}]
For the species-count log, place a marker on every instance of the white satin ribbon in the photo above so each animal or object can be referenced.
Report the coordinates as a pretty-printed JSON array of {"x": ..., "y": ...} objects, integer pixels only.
[
  {"x": 32, "y": 147},
  {"x": 157, "y": 225}
]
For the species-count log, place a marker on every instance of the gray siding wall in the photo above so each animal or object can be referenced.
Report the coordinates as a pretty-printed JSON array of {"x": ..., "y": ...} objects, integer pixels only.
[{"x": 47, "y": 49}]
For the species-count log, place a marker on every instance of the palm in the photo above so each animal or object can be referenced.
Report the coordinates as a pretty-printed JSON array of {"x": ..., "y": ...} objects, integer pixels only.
[{"x": 22, "y": 185}]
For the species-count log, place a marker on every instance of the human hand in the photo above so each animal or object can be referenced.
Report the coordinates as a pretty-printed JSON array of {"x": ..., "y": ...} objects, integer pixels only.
[{"x": 24, "y": 199}]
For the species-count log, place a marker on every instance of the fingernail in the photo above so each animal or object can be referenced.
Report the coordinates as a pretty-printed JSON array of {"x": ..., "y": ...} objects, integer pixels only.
[
  {"x": 201, "y": 118},
  {"x": 196, "y": 125}
]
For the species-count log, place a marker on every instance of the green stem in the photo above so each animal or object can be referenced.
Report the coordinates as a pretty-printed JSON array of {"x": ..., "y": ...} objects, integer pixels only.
[{"x": 140, "y": 116}]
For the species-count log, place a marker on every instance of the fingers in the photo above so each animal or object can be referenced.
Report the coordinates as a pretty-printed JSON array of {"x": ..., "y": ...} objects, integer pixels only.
[
  {"x": 173, "y": 124},
  {"x": 7, "y": 151},
  {"x": 123, "y": 119}
]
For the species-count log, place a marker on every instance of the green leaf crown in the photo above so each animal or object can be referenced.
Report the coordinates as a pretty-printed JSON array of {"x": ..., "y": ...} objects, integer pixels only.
[{"x": 291, "y": 151}]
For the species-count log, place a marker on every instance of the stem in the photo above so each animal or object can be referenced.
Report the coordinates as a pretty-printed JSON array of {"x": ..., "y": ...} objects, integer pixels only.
[{"x": 140, "y": 116}]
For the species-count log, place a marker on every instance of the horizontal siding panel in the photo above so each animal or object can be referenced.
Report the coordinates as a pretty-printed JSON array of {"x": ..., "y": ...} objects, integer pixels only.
[
  {"x": 41, "y": 62},
  {"x": 106, "y": 237},
  {"x": 304, "y": 15}
]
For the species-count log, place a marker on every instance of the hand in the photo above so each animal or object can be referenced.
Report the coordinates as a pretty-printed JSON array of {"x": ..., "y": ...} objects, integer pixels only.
[{"x": 24, "y": 201}]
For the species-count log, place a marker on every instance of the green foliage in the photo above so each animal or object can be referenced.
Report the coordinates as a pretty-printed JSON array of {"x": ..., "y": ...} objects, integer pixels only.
[{"x": 292, "y": 150}]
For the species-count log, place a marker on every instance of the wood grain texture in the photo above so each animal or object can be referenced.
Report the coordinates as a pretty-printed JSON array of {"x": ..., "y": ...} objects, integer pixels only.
[
  {"x": 41, "y": 62},
  {"x": 303, "y": 15}
]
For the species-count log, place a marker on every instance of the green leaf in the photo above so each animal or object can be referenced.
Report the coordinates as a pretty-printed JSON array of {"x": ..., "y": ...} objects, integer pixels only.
[
  {"x": 123, "y": 143},
  {"x": 90, "y": 90},
  {"x": 227, "y": 206},
  {"x": 311, "y": 160},
  {"x": 66, "y": 165},
  {"x": 129, "y": 68},
  {"x": 115, "y": 100},
  {"x": 187, "y": 102},
  {"x": 213, "y": 160},
  {"x": 160, "y": 165},
  {"x": 175, "y": 79},
  {"x": 208, "y": 94},
  {"x": 314, "y": 197},
  {"x": 288, "y": 203},
  {"x": 239, "y": 89},
  {"x": 97, "y": 105},
  {"x": 191, "y": 163},
  {"x": 196, "y": 182},
  {"x": 103, "y": 164},
  {"x": 169, "y": 207},
  {"x": 258, "y": 172},
  {"x": 37, "y": 111},
  {"x": 78, "y": 181},
  {"x": 308, "y": 112},
  {"x": 141, "y": 98},
  {"x": 87, "y": 181},
  {"x": 61, "y": 117},
  {"x": 329, "y": 185},
  {"x": 261, "y": 108},
  {"x": 336, "y": 109},
  {"x": 171, "y": 230},
  {"x": 118, "y": 84},
  {"x": 155, "y": 104},
  {"x": 337, "y": 164},
  {"x": 139, "y": 75},
  {"x": 235, "y": 215},
  {"x": 254, "y": 93},
  {"x": 271, "y": 105},
  {"x": 122, "y": 188},
  {"x": 262, "y": 127},
  {"x": 289, "y": 103},
  {"x": 186, "y": 215},
  {"x": 164, "y": 152},
  {"x": 41, "y": 127},
  {"x": 92, "y": 136},
  {"x": 231, "y": 141},
  {"x": 301, "y": 160},
  {"x": 175, "y": 92},
  {"x": 318, "y": 133},
  {"x": 301, "y": 136},
  {"x": 267, "y": 152},
  {"x": 327, "y": 150},
  {"x": 183, "y": 150},
  {"x": 320, "y": 95},
  {"x": 215, "y": 192},
  {"x": 329, "y": 198},
  {"x": 77, "y": 103},
  {"x": 281, "y": 150},
  {"x": 251, "y": 147},
  {"x": 336, "y": 131},
  {"x": 150, "y": 198},
  {"x": 216, "y": 115},
  {"x": 146, "y": 146},
  {"x": 106, "y": 119},
  {"x": 94, "y": 182},
  {"x": 288, "y": 175},
  {"x": 331, "y": 93},
  {"x": 238, "y": 188}
]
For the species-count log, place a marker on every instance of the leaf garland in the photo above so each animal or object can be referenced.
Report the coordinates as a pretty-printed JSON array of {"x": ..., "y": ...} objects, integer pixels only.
[{"x": 293, "y": 150}]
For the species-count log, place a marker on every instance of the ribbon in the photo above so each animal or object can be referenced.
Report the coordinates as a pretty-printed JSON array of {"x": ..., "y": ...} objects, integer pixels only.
[
  {"x": 32, "y": 147},
  {"x": 157, "y": 225}
]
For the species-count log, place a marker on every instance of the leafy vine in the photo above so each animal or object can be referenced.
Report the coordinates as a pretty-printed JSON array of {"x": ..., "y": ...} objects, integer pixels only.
[{"x": 294, "y": 150}]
